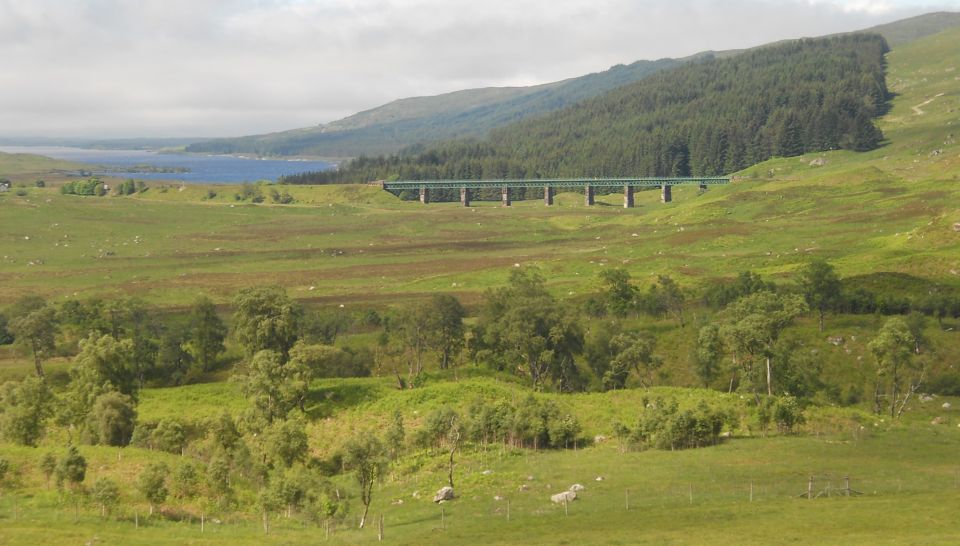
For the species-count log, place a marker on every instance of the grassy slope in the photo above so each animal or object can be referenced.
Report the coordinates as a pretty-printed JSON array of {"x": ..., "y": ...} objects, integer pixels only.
[{"x": 25, "y": 168}]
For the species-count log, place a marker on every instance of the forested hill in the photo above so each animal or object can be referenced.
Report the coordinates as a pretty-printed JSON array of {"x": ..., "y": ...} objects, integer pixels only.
[
  {"x": 706, "y": 118},
  {"x": 461, "y": 114}
]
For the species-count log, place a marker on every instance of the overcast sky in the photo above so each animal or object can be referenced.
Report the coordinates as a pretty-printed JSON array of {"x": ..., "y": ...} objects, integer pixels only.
[{"x": 124, "y": 68}]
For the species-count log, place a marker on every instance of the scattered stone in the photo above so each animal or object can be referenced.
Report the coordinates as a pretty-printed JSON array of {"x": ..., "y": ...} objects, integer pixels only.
[
  {"x": 397, "y": 502},
  {"x": 835, "y": 340},
  {"x": 599, "y": 479},
  {"x": 956, "y": 227},
  {"x": 524, "y": 487},
  {"x": 529, "y": 478},
  {"x": 725, "y": 434},
  {"x": 576, "y": 488},
  {"x": 599, "y": 439},
  {"x": 566, "y": 496},
  {"x": 938, "y": 421},
  {"x": 497, "y": 498},
  {"x": 487, "y": 472},
  {"x": 416, "y": 495},
  {"x": 818, "y": 162},
  {"x": 926, "y": 398},
  {"x": 444, "y": 494},
  {"x": 946, "y": 405}
]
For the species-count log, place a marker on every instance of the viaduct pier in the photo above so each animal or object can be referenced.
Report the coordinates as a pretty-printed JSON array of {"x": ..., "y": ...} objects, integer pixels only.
[{"x": 550, "y": 187}]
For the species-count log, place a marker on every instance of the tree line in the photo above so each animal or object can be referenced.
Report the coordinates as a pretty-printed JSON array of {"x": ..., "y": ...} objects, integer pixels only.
[{"x": 519, "y": 328}]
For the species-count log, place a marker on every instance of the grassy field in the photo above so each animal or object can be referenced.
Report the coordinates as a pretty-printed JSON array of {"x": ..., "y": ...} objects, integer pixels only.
[
  {"x": 892, "y": 209},
  {"x": 907, "y": 474}
]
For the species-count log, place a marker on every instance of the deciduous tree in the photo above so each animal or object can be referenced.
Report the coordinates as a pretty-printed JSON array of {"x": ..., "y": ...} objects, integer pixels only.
[
  {"x": 152, "y": 484},
  {"x": 364, "y": 455},
  {"x": 893, "y": 349},
  {"x": 113, "y": 418},
  {"x": 36, "y": 330},
  {"x": 821, "y": 287},
  {"x": 206, "y": 333},
  {"x": 24, "y": 409},
  {"x": 266, "y": 319}
]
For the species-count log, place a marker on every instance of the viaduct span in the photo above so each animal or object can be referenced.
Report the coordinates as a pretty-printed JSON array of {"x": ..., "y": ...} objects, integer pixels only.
[{"x": 550, "y": 187}]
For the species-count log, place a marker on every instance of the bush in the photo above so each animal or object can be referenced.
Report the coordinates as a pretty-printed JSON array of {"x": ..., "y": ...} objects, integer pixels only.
[
  {"x": 152, "y": 483},
  {"x": 665, "y": 426},
  {"x": 90, "y": 186},
  {"x": 532, "y": 423},
  {"x": 169, "y": 436},
  {"x": 113, "y": 419}
]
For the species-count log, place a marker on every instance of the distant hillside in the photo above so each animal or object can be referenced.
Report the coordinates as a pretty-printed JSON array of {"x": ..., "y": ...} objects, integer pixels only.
[
  {"x": 461, "y": 114},
  {"x": 26, "y": 165},
  {"x": 473, "y": 113},
  {"x": 707, "y": 118},
  {"x": 912, "y": 29}
]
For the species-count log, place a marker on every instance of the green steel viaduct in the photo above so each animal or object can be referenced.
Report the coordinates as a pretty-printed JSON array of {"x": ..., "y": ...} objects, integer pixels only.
[{"x": 550, "y": 186}]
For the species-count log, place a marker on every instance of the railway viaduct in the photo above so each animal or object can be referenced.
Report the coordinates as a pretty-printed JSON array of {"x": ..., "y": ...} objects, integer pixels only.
[{"x": 550, "y": 187}]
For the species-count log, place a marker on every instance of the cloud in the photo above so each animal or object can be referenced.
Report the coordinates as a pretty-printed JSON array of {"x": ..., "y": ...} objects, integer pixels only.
[{"x": 211, "y": 67}]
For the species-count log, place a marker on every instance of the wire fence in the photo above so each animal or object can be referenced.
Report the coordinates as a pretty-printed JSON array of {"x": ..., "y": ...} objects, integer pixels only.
[{"x": 532, "y": 501}]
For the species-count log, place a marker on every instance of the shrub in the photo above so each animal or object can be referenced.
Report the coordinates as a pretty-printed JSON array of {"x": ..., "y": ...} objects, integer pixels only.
[
  {"x": 665, "y": 426},
  {"x": 169, "y": 436},
  {"x": 113, "y": 419}
]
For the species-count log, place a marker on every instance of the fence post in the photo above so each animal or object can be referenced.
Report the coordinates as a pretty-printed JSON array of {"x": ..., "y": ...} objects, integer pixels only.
[
  {"x": 380, "y": 529},
  {"x": 751, "y": 491},
  {"x": 628, "y": 499},
  {"x": 201, "y": 522},
  {"x": 508, "y": 509},
  {"x": 810, "y": 488}
]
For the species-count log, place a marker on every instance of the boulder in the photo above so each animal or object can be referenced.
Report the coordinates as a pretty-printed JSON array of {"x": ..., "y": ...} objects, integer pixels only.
[
  {"x": 946, "y": 405},
  {"x": 444, "y": 494},
  {"x": 599, "y": 439},
  {"x": 561, "y": 498},
  {"x": 576, "y": 488}
]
